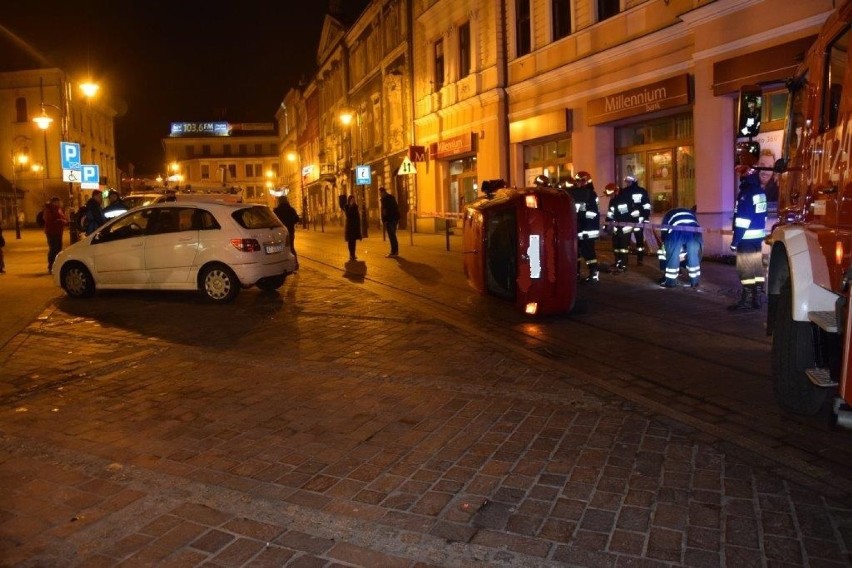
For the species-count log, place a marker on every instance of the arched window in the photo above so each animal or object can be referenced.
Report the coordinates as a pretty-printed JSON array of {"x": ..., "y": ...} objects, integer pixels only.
[{"x": 21, "y": 109}]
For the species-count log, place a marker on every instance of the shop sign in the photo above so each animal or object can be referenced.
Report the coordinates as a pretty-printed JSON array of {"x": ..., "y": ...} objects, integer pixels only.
[
  {"x": 669, "y": 93},
  {"x": 417, "y": 153},
  {"x": 460, "y": 144}
]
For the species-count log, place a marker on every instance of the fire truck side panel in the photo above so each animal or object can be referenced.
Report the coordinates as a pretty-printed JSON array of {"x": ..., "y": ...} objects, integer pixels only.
[{"x": 812, "y": 243}]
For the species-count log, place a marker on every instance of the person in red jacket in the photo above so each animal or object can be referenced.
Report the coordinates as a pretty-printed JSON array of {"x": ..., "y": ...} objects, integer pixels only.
[{"x": 54, "y": 227}]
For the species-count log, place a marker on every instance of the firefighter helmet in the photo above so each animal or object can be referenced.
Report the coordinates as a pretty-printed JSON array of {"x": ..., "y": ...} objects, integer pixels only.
[
  {"x": 583, "y": 177},
  {"x": 610, "y": 189},
  {"x": 542, "y": 181},
  {"x": 628, "y": 179}
]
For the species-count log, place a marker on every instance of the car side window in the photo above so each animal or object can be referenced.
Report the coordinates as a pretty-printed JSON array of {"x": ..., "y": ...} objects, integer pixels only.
[
  {"x": 203, "y": 221},
  {"x": 128, "y": 226},
  {"x": 165, "y": 220}
]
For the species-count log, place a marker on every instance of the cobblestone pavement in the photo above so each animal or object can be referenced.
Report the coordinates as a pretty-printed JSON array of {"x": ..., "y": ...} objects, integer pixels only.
[{"x": 331, "y": 424}]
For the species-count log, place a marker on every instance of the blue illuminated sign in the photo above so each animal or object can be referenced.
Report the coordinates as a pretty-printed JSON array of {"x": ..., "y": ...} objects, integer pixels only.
[
  {"x": 363, "y": 175},
  {"x": 200, "y": 129}
]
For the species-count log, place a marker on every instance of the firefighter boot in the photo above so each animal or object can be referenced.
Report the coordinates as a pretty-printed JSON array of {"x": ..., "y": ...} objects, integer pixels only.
[
  {"x": 593, "y": 274},
  {"x": 756, "y": 302},
  {"x": 743, "y": 303},
  {"x": 640, "y": 257}
]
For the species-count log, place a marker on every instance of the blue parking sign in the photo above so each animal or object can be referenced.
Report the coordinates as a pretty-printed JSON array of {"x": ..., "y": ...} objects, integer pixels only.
[
  {"x": 70, "y": 154},
  {"x": 90, "y": 176}
]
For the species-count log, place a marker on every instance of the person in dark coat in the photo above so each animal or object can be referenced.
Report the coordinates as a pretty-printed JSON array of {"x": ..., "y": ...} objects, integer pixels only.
[
  {"x": 352, "y": 230},
  {"x": 390, "y": 217},
  {"x": 621, "y": 225},
  {"x": 54, "y": 226},
  {"x": 588, "y": 223},
  {"x": 94, "y": 212},
  {"x": 749, "y": 228},
  {"x": 289, "y": 217},
  {"x": 637, "y": 199}
]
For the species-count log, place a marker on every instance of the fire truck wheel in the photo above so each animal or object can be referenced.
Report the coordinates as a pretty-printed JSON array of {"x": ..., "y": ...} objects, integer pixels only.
[{"x": 792, "y": 353}]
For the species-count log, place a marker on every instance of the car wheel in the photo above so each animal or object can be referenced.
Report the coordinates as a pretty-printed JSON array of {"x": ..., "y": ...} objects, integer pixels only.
[
  {"x": 792, "y": 353},
  {"x": 271, "y": 283},
  {"x": 219, "y": 284},
  {"x": 77, "y": 281}
]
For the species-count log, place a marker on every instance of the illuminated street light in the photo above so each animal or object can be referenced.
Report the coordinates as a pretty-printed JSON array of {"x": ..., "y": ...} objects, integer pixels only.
[{"x": 89, "y": 88}]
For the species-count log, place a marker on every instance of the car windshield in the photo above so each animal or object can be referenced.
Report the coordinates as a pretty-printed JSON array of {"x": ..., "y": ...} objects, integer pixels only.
[
  {"x": 133, "y": 201},
  {"x": 258, "y": 217}
]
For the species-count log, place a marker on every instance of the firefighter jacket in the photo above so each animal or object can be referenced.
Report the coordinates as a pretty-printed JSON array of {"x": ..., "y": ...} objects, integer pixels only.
[
  {"x": 588, "y": 214},
  {"x": 619, "y": 212},
  {"x": 749, "y": 211},
  {"x": 640, "y": 205},
  {"x": 679, "y": 217}
]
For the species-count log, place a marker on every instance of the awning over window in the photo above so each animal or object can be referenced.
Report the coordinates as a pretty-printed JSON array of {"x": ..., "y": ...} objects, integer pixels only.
[{"x": 771, "y": 65}]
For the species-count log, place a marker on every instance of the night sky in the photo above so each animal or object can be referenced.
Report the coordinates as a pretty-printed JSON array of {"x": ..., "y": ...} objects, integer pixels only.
[{"x": 160, "y": 61}]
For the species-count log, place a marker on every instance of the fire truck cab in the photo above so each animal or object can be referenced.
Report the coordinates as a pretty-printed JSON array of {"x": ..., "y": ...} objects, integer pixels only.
[
  {"x": 521, "y": 245},
  {"x": 811, "y": 246}
]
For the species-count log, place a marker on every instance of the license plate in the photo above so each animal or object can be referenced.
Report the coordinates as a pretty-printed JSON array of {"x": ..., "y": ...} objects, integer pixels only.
[{"x": 273, "y": 249}]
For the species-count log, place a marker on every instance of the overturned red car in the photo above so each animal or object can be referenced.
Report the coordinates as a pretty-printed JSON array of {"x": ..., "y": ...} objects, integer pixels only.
[{"x": 521, "y": 245}]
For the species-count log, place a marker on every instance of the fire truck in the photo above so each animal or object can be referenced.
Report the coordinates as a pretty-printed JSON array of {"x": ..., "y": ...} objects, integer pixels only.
[
  {"x": 810, "y": 252},
  {"x": 520, "y": 244}
]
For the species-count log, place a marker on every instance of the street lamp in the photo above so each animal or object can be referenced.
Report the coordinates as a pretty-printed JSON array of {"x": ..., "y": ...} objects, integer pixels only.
[
  {"x": 19, "y": 160},
  {"x": 293, "y": 156},
  {"x": 346, "y": 117}
]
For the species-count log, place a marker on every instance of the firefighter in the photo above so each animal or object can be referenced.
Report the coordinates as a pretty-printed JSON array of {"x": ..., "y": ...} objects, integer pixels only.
[
  {"x": 588, "y": 222},
  {"x": 749, "y": 231},
  {"x": 677, "y": 242},
  {"x": 621, "y": 227},
  {"x": 640, "y": 212}
]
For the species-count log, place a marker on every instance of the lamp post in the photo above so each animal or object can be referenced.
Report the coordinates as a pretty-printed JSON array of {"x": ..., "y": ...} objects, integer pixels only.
[
  {"x": 19, "y": 160},
  {"x": 293, "y": 156},
  {"x": 346, "y": 118}
]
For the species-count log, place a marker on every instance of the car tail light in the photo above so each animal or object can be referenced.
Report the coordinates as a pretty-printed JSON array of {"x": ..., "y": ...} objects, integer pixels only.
[
  {"x": 532, "y": 201},
  {"x": 531, "y": 308},
  {"x": 246, "y": 245}
]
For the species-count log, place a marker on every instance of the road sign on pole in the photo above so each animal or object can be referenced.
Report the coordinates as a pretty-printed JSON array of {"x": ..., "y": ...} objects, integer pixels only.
[
  {"x": 91, "y": 178},
  {"x": 406, "y": 168}
]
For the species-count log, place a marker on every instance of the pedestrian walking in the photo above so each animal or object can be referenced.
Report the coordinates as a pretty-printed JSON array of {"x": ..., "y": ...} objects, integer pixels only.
[
  {"x": 290, "y": 218},
  {"x": 677, "y": 242},
  {"x": 352, "y": 228},
  {"x": 390, "y": 219},
  {"x": 620, "y": 225},
  {"x": 54, "y": 228},
  {"x": 749, "y": 228},
  {"x": 640, "y": 212},
  {"x": 588, "y": 223},
  {"x": 94, "y": 214}
]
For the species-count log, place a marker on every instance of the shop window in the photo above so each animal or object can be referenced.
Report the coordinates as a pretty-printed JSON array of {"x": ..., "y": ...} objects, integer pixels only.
[
  {"x": 551, "y": 158},
  {"x": 523, "y": 31},
  {"x": 560, "y": 14},
  {"x": 464, "y": 50},
  {"x": 205, "y": 171}
]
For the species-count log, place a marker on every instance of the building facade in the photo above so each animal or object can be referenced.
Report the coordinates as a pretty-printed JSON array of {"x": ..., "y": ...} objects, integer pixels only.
[
  {"x": 31, "y": 158},
  {"x": 472, "y": 90},
  {"x": 221, "y": 154}
]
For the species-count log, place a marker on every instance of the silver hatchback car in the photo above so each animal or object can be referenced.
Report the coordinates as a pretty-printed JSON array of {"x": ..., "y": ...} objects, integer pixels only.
[{"x": 216, "y": 248}]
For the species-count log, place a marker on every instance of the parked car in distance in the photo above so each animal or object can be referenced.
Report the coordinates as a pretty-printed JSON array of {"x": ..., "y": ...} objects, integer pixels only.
[{"x": 213, "y": 247}]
